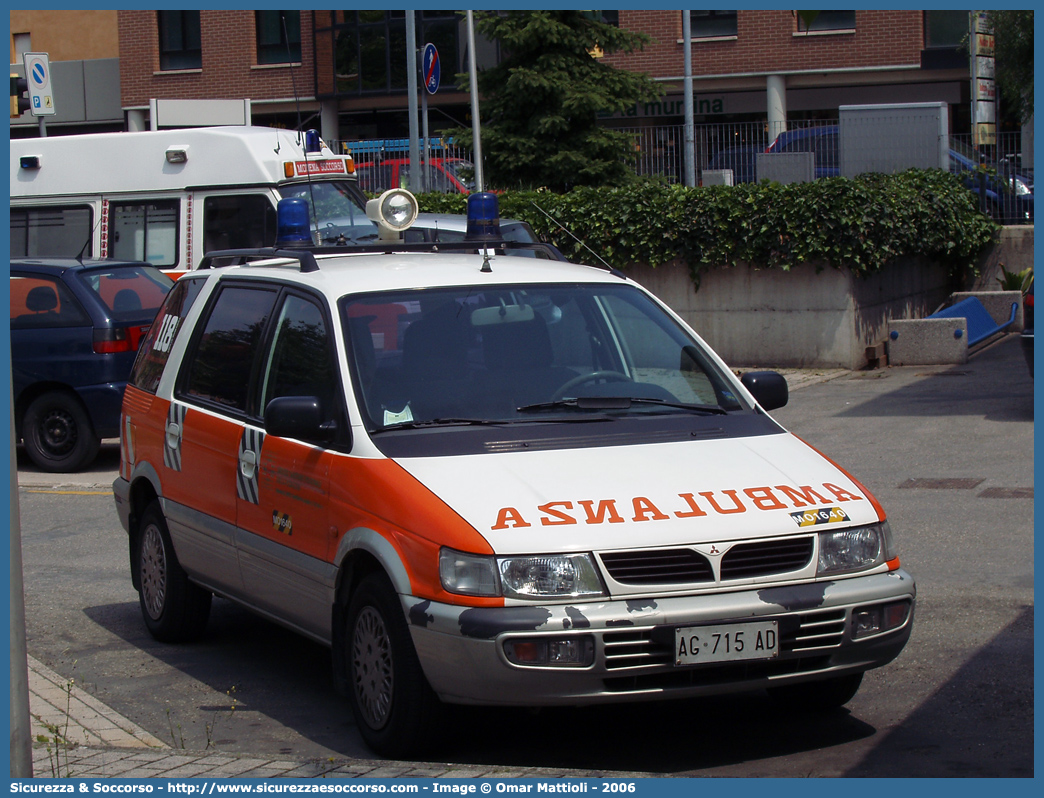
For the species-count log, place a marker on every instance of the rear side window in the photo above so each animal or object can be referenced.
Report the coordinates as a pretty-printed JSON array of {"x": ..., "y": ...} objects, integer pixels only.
[
  {"x": 50, "y": 232},
  {"x": 153, "y": 353},
  {"x": 38, "y": 301},
  {"x": 130, "y": 293},
  {"x": 145, "y": 231},
  {"x": 220, "y": 368},
  {"x": 375, "y": 178}
]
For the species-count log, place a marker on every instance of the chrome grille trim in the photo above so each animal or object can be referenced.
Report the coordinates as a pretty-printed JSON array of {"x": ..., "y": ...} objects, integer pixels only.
[{"x": 642, "y": 649}]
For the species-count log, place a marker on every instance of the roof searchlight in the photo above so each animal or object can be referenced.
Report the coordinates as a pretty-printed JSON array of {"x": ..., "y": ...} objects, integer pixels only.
[{"x": 393, "y": 212}]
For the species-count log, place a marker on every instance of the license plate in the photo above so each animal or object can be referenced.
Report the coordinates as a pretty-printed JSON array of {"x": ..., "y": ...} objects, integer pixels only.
[{"x": 694, "y": 645}]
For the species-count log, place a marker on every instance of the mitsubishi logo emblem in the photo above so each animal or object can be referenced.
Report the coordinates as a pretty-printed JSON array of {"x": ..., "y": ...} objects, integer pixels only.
[{"x": 714, "y": 550}]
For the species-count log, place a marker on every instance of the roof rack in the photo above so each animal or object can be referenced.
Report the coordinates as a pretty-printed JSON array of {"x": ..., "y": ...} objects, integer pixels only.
[
  {"x": 237, "y": 257},
  {"x": 306, "y": 255}
]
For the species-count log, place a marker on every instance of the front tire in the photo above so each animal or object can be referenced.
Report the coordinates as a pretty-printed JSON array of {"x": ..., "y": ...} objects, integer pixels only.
[
  {"x": 394, "y": 706},
  {"x": 821, "y": 696},
  {"x": 175, "y": 610},
  {"x": 58, "y": 434}
]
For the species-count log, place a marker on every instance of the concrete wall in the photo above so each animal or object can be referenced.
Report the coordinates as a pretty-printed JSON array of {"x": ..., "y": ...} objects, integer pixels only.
[{"x": 809, "y": 318}]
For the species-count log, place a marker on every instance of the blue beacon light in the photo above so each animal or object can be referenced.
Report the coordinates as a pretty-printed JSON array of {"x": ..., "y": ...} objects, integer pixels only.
[
  {"x": 292, "y": 223},
  {"x": 483, "y": 217}
]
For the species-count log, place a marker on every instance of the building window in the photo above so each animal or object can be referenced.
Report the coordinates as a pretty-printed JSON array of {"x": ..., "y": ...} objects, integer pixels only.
[
  {"x": 179, "y": 40},
  {"x": 707, "y": 24},
  {"x": 370, "y": 49},
  {"x": 945, "y": 29},
  {"x": 278, "y": 36},
  {"x": 827, "y": 21}
]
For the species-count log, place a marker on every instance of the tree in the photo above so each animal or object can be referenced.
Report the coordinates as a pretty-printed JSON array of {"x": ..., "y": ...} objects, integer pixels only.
[
  {"x": 540, "y": 104},
  {"x": 1013, "y": 48}
]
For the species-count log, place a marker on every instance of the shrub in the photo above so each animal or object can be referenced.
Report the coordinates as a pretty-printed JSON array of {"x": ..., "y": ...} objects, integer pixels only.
[{"x": 859, "y": 224}]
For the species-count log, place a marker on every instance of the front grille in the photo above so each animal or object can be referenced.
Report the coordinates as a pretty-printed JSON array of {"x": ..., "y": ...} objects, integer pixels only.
[
  {"x": 688, "y": 566},
  {"x": 657, "y": 567},
  {"x": 748, "y": 560},
  {"x": 801, "y": 635},
  {"x": 818, "y": 631},
  {"x": 637, "y": 649}
]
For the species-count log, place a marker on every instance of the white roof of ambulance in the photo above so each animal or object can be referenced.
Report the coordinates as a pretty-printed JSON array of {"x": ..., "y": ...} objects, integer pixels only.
[{"x": 99, "y": 163}]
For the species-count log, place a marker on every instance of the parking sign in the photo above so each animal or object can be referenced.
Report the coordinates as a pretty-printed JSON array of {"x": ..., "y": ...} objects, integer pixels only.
[{"x": 38, "y": 77}]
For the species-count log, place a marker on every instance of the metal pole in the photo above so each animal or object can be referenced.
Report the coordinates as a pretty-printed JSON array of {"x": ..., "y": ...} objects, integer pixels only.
[
  {"x": 476, "y": 128},
  {"x": 424, "y": 135},
  {"x": 21, "y": 733},
  {"x": 690, "y": 127},
  {"x": 411, "y": 92}
]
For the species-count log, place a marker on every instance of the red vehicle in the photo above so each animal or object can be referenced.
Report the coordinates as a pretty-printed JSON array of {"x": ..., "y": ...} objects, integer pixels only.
[{"x": 444, "y": 175}]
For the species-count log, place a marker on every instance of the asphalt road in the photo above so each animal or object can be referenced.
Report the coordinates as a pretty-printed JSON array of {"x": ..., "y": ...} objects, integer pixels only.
[{"x": 947, "y": 450}]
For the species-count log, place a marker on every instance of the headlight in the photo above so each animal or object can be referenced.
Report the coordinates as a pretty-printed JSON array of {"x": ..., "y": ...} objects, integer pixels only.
[
  {"x": 523, "y": 577},
  {"x": 552, "y": 575},
  {"x": 1022, "y": 189},
  {"x": 468, "y": 574},
  {"x": 855, "y": 549}
]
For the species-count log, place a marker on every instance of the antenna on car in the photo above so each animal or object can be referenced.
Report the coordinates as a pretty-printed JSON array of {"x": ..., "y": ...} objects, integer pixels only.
[
  {"x": 87, "y": 243},
  {"x": 577, "y": 240},
  {"x": 306, "y": 140}
]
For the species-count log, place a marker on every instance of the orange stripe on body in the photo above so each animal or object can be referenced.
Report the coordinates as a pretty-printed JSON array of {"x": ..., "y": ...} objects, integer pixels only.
[
  {"x": 881, "y": 515},
  {"x": 383, "y": 496}
]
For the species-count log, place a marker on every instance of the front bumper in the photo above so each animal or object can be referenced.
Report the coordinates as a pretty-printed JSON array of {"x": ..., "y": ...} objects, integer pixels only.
[{"x": 462, "y": 649}]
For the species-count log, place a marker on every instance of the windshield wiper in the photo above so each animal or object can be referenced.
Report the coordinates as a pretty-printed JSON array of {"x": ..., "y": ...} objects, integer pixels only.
[
  {"x": 618, "y": 403},
  {"x": 443, "y": 422}
]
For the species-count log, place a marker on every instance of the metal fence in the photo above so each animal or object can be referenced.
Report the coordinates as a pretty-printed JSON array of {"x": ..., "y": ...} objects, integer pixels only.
[{"x": 1004, "y": 187}]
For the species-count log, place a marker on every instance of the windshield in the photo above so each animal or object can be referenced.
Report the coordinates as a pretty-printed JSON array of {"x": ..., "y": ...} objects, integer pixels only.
[
  {"x": 340, "y": 213},
  {"x": 524, "y": 354}
]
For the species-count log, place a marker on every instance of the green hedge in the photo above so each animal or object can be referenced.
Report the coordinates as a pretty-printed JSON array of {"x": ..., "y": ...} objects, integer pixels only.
[{"x": 859, "y": 224}]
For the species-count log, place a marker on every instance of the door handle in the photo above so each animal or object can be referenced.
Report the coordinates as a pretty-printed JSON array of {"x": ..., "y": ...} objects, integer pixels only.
[{"x": 248, "y": 463}]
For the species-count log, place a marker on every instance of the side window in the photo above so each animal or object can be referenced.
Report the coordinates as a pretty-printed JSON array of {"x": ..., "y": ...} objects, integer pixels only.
[
  {"x": 300, "y": 362},
  {"x": 241, "y": 221},
  {"x": 38, "y": 301},
  {"x": 440, "y": 181},
  {"x": 219, "y": 369},
  {"x": 48, "y": 232},
  {"x": 145, "y": 231},
  {"x": 153, "y": 353}
]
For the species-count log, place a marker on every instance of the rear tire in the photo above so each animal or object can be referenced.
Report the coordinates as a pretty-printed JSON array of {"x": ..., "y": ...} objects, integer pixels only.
[
  {"x": 821, "y": 696},
  {"x": 175, "y": 610},
  {"x": 58, "y": 434},
  {"x": 394, "y": 706}
]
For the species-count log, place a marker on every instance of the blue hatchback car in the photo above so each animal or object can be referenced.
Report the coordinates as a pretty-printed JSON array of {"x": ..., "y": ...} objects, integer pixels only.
[{"x": 75, "y": 328}]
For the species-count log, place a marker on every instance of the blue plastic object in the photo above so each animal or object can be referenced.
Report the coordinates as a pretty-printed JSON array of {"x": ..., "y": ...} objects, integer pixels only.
[
  {"x": 980, "y": 324},
  {"x": 483, "y": 217},
  {"x": 313, "y": 143},
  {"x": 292, "y": 223}
]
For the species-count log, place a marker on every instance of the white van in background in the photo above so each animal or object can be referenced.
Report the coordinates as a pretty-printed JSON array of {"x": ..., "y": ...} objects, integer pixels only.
[{"x": 170, "y": 196}]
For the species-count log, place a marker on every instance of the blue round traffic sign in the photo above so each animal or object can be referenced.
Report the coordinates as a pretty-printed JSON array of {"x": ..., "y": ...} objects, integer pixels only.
[{"x": 431, "y": 67}]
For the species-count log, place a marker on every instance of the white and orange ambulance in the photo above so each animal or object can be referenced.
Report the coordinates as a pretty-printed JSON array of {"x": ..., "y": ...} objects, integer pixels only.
[
  {"x": 170, "y": 196},
  {"x": 490, "y": 480}
]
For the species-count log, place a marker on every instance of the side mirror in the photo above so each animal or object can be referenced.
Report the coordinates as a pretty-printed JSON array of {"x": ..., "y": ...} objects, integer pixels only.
[
  {"x": 298, "y": 417},
  {"x": 768, "y": 387}
]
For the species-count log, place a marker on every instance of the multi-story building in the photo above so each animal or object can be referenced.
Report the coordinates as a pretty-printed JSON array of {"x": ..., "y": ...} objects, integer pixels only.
[
  {"x": 84, "y": 53},
  {"x": 345, "y": 71}
]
